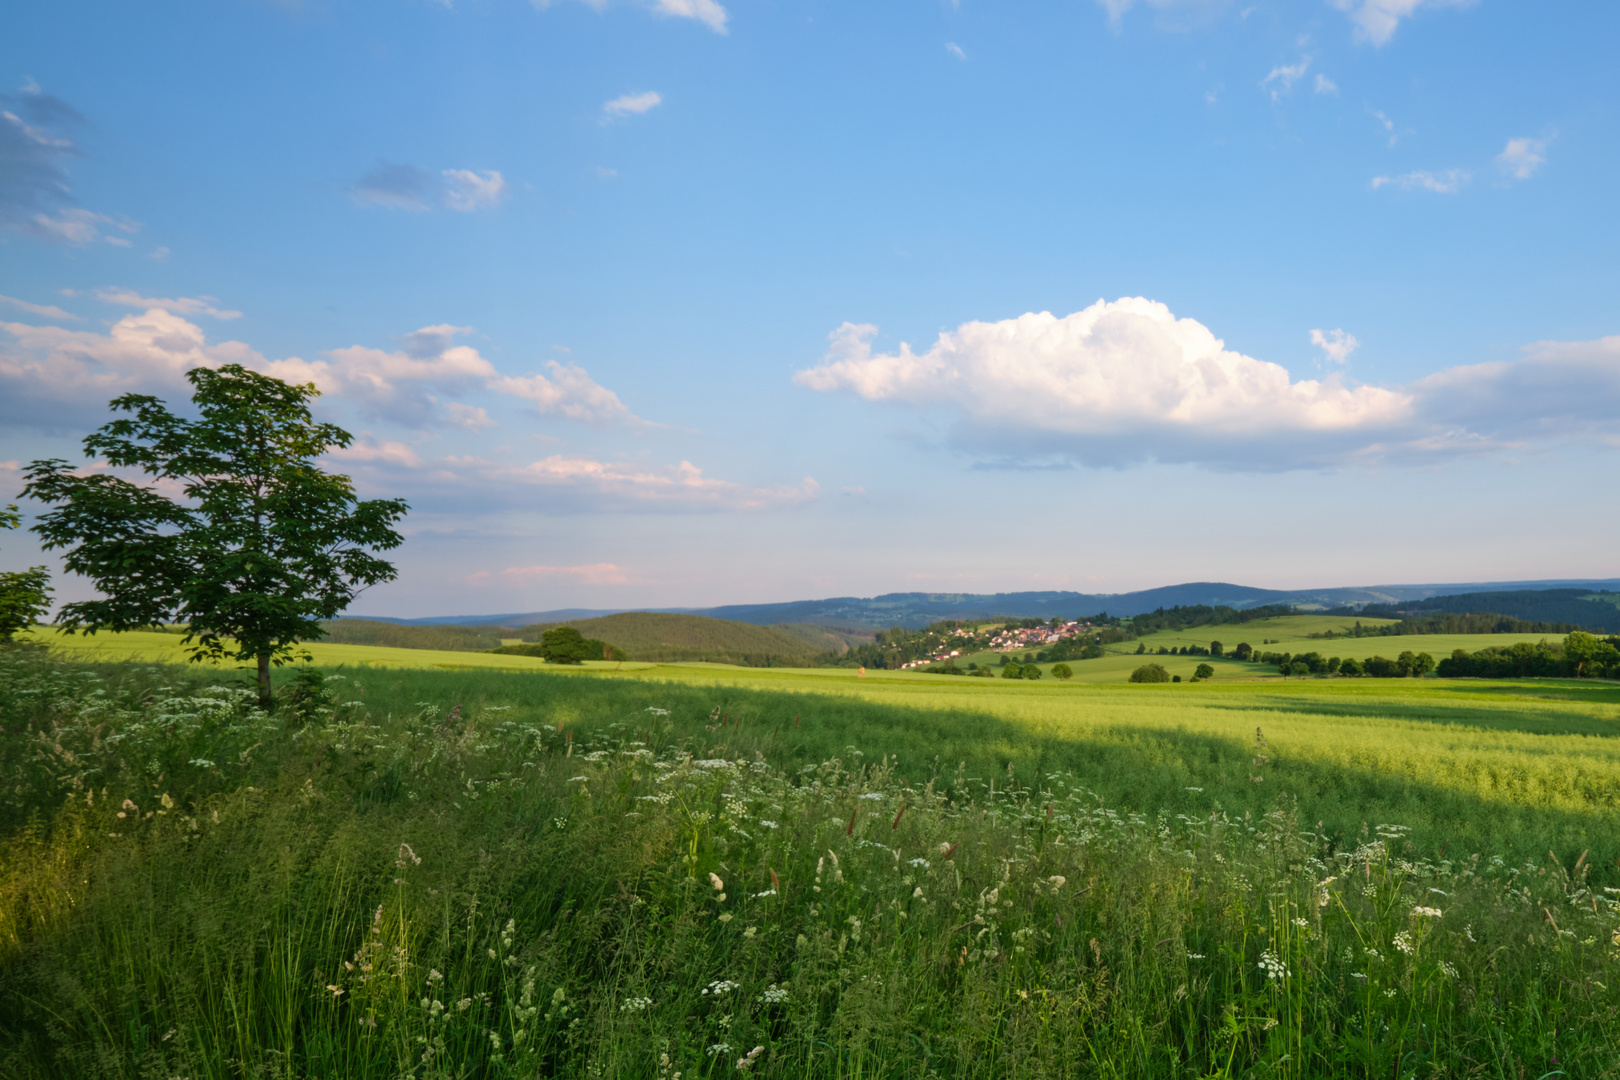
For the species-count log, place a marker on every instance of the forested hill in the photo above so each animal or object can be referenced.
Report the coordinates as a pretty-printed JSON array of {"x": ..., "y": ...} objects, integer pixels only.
[
  {"x": 1574, "y": 607},
  {"x": 647, "y": 635},
  {"x": 397, "y": 636}
]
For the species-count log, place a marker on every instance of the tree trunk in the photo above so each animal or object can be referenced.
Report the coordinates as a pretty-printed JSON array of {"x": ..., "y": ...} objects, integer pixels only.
[{"x": 265, "y": 701}]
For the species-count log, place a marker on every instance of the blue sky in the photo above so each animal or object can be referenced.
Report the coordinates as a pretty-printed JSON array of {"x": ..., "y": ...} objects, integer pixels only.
[{"x": 689, "y": 302}]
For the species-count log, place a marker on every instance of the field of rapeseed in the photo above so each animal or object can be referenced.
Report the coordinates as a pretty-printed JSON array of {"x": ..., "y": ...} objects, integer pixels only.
[{"x": 640, "y": 879}]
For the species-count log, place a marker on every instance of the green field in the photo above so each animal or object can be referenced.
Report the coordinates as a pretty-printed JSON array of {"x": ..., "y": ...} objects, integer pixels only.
[{"x": 460, "y": 865}]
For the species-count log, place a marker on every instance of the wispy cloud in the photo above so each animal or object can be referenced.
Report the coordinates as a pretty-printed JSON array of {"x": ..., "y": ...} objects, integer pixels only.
[
  {"x": 707, "y": 12},
  {"x": 1280, "y": 82},
  {"x": 183, "y": 305},
  {"x": 955, "y": 50},
  {"x": 36, "y": 144},
  {"x": 1127, "y": 382},
  {"x": 392, "y": 186},
  {"x": 631, "y": 105},
  {"x": 44, "y": 311},
  {"x": 1336, "y": 345},
  {"x": 1522, "y": 157},
  {"x": 1389, "y": 128},
  {"x": 571, "y": 393},
  {"x": 1325, "y": 85},
  {"x": 591, "y": 574},
  {"x": 1448, "y": 182},
  {"x": 467, "y": 190},
  {"x": 1375, "y": 21}
]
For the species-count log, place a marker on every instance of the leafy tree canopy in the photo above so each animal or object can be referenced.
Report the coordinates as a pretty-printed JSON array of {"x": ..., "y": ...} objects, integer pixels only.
[
  {"x": 25, "y": 595},
  {"x": 237, "y": 532}
]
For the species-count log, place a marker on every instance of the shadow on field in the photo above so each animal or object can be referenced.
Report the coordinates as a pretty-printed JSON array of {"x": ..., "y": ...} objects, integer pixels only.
[
  {"x": 1131, "y": 768},
  {"x": 1456, "y": 712}
]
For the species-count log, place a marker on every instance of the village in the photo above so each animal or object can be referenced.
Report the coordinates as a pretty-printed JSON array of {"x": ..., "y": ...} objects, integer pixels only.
[{"x": 1006, "y": 639}]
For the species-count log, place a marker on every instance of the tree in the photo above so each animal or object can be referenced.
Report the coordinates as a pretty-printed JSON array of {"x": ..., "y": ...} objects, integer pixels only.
[
  {"x": 1216, "y": 649},
  {"x": 1062, "y": 671},
  {"x": 1141, "y": 647},
  {"x": 1203, "y": 671},
  {"x": 25, "y": 595},
  {"x": 1150, "y": 673},
  {"x": 1580, "y": 648},
  {"x": 1422, "y": 664},
  {"x": 260, "y": 547},
  {"x": 1012, "y": 671},
  {"x": 1032, "y": 672},
  {"x": 1350, "y": 666},
  {"x": 1243, "y": 651}
]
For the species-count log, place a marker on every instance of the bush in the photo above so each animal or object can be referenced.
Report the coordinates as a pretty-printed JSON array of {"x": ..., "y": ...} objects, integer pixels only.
[
  {"x": 1150, "y": 673},
  {"x": 1012, "y": 671},
  {"x": 1032, "y": 672},
  {"x": 1062, "y": 671}
]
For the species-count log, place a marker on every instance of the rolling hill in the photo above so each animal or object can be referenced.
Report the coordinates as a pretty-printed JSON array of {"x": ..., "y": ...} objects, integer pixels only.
[{"x": 649, "y": 635}]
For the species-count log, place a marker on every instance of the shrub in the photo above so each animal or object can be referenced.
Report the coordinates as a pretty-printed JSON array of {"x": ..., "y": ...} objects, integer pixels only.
[
  {"x": 1062, "y": 671},
  {"x": 1150, "y": 673}
]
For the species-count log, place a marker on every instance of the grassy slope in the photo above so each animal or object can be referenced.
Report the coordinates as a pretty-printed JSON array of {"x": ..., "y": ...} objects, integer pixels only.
[
  {"x": 652, "y": 635},
  {"x": 1519, "y": 766}
]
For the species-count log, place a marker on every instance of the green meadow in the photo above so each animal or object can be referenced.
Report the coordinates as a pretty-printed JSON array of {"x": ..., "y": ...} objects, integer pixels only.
[{"x": 453, "y": 864}]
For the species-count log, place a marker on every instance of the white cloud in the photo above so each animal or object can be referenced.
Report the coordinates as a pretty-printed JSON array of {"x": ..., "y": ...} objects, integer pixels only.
[
  {"x": 1336, "y": 344},
  {"x": 955, "y": 50},
  {"x": 1325, "y": 85},
  {"x": 1375, "y": 20},
  {"x": 568, "y": 392},
  {"x": 1280, "y": 82},
  {"x": 1522, "y": 157},
  {"x": 183, "y": 305},
  {"x": 632, "y": 484},
  {"x": 631, "y": 104},
  {"x": 592, "y": 574},
  {"x": 44, "y": 311},
  {"x": 391, "y": 186},
  {"x": 471, "y": 417},
  {"x": 399, "y": 384},
  {"x": 707, "y": 12},
  {"x": 1441, "y": 183},
  {"x": 467, "y": 190},
  {"x": 1127, "y": 382},
  {"x": 50, "y": 376}
]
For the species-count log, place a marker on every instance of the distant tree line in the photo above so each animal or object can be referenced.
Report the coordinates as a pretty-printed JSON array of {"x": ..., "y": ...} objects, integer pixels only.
[
  {"x": 1564, "y": 606},
  {"x": 1580, "y": 655},
  {"x": 564, "y": 645},
  {"x": 1183, "y": 617},
  {"x": 1473, "y": 622}
]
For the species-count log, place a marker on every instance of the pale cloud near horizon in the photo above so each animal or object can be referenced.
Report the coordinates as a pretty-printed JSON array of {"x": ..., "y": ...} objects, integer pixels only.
[
  {"x": 591, "y": 574},
  {"x": 1127, "y": 382},
  {"x": 631, "y": 104},
  {"x": 1448, "y": 182},
  {"x": 1522, "y": 157},
  {"x": 708, "y": 12},
  {"x": 1375, "y": 21},
  {"x": 1336, "y": 345}
]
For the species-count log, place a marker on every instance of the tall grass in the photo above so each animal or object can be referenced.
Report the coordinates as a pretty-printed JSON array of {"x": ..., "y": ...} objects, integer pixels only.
[{"x": 192, "y": 888}]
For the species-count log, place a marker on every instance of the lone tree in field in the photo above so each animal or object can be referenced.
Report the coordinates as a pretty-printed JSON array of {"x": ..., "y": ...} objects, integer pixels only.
[
  {"x": 1150, "y": 673},
  {"x": 1204, "y": 671},
  {"x": 259, "y": 546},
  {"x": 25, "y": 595}
]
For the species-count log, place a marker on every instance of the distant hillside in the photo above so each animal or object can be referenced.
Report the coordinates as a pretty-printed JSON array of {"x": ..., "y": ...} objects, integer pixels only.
[
  {"x": 916, "y": 610},
  {"x": 647, "y": 635},
  {"x": 1580, "y": 607},
  {"x": 397, "y": 636}
]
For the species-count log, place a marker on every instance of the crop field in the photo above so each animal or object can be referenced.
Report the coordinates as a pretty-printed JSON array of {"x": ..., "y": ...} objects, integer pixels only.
[{"x": 426, "y": 865}]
